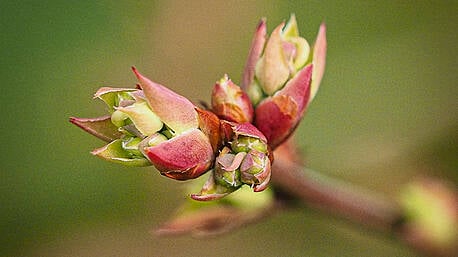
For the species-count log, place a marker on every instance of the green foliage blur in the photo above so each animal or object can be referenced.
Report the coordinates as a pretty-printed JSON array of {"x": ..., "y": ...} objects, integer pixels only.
[{"x": 386, "y": 111}]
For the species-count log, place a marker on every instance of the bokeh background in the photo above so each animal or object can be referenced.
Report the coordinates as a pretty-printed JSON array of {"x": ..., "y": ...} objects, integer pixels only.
[{"x": 387, "y": 110}]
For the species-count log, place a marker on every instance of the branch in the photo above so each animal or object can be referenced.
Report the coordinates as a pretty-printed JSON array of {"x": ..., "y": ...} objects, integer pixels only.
[
  {"x": 329, "y": 194},
  {"x": 357, "y": 205}
]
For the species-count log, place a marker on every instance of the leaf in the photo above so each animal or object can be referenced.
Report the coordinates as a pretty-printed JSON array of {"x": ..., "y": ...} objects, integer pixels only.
[
  {"x": 114, "y": 152},
  {"x": 101, "y": 127}
]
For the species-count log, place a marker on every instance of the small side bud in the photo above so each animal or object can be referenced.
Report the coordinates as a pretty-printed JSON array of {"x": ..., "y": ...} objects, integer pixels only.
[
  {"x": 227, "y": 172},
  {"x": 255, "y": 170},
  {"x": 229, "y": 102}
]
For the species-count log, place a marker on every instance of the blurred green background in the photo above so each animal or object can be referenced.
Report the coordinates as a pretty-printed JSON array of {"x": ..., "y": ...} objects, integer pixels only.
[{"x": 387, "y": 110}]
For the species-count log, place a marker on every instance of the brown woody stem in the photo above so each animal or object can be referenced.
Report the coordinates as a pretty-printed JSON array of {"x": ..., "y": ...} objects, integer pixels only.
[
  {"x": 343, "y": 199},
  {"x": 328, "y": 194}
]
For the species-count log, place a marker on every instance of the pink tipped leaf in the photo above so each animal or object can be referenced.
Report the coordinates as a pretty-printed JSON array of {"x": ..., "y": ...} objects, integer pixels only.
[{"x": 101, "y": 127}]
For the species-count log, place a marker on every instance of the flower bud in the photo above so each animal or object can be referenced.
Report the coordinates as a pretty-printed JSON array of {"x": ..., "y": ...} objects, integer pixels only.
[
  {"x": 278, "y": 116},
  {"x": 246, "y": 143},
  {"x": 281, "y": 77},
  {"x": 244, "y": 160},
  {"x": 430, "y": 207},
  {"x": 226, "y": 170},
  {"x": 153, "y": 125},
  {"x": 182, "y": 157},
  {"x": 229, "y": 102},
  {"x": 272, "y": 69},
  {"x": 255, "y": 170}
]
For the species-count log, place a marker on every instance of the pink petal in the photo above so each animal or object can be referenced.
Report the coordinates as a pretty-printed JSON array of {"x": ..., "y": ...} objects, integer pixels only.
[
  {"x": 185, "y": 156},
  {"x": 229, "y": 102},
  {"x": 176, "y": 111},
  {"x": 247, "y": 129},
  {"x": 231, "y": 130},
  {"x": 209, "y": 123},
  {"x": 272, "y": 70},
  {"x": 276, "y": 118},
  {"x": 257, "y": 46},
  {"x": 265, "y": 178},
  {"x": 298, "y": 88},
  {"x": 319, "y": 60}
]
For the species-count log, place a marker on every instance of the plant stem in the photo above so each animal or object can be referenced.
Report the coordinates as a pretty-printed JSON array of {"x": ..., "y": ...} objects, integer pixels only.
[
  {"x": 360, "y": 206},
  {"x": 335, "y": 196}
]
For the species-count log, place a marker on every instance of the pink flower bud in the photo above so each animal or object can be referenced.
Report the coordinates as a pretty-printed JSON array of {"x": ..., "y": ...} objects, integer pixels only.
[
  {"x": 281, "y": 77},
  {"x": 244, "y": 160},
  {"x": 255, "y": 170},
  {"x": 229, "y": 102},
  {"x": 226, "y": 170},
  {"x": 155, "y": 126}
]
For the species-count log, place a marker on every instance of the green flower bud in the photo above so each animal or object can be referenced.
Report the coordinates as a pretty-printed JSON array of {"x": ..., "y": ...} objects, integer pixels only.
[
  {"x": 255, "y": 170},
  {"x": 247, "y": 143},
  {"x": 226, "y": 170}
]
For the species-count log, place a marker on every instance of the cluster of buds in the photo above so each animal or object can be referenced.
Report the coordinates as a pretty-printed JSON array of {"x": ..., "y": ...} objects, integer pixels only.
[
  {"x": 243, "y": 159},
  {"x": 152, "y": 125},
  {"x": 282, "y": 76}
]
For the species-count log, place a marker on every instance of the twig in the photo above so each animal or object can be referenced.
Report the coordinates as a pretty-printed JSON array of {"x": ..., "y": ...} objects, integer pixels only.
[
  {"x": 346, "y": 200},
  {"x": 329, "y": 194}
]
